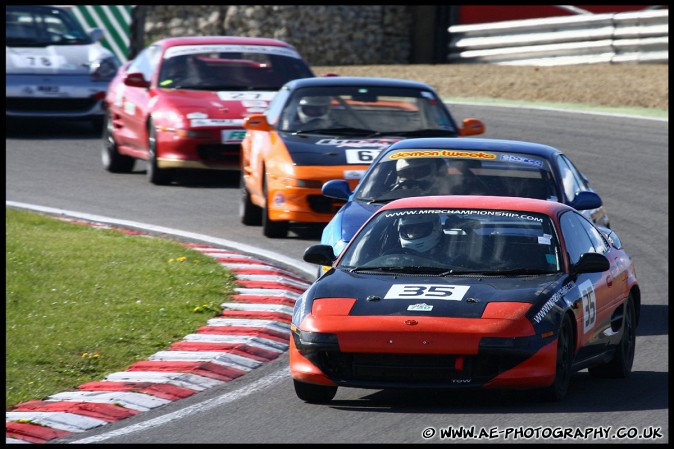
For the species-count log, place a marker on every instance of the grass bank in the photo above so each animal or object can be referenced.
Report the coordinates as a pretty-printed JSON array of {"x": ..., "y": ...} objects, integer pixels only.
[{"x": 83, "y": 302}]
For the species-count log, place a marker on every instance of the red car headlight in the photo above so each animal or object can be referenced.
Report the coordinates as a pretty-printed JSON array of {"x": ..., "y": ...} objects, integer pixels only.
[{"x": 193, "y": 133}]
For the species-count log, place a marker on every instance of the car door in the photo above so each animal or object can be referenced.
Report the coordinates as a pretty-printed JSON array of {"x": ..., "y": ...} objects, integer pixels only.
[
  {"x": 596, "y": 294},
  {"x": 136, "y": 100},
  {"x": 256, "y": 151}
]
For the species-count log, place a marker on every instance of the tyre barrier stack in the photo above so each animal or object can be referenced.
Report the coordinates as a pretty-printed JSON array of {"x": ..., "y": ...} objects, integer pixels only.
[{"x": 251, "y": 330}]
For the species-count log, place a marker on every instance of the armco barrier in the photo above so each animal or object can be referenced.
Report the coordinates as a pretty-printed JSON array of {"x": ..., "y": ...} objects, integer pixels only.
[{"x": 632, "y": 37}]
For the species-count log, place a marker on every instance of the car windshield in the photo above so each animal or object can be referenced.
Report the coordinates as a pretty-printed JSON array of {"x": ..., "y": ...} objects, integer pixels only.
[
  {"x": 407, "y": 173},
  {"x": 33, "y": 26},
  {"x": 367, "y": 110},
  {"x": 230, "y": 67},
  {"x": 455, "y": 241}
]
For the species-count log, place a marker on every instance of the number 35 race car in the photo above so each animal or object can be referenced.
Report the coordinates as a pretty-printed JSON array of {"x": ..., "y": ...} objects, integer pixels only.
[{"x": 467, "y": 292}]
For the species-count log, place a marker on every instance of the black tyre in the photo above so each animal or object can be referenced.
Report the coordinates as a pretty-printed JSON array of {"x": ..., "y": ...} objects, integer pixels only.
[
  {"x": 97, "y": 125},
  {"x": 272, "y": 229},
  {"x": 560, "y": 386},
  {"x": 249, "y": 213},
  {"x": 315, "y": 394},
  {"x": 112, "y": 160},
  {"x": 155, "y": 174},
  {"x": 620, "y": 365}
]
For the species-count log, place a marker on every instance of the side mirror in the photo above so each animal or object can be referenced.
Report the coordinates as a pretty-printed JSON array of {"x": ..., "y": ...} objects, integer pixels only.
[
  {"x": 320, "y": 255},
  {"x": 592, "y": 263},
  {"x": 471, "y": 127},
  {"x": 586, "y": 201},
  {"x": 136, "y": 79},
  {"x": 337, "y": 188},
  {"x": 257, "y": 122},
  {"x": 96, "y": 34}
]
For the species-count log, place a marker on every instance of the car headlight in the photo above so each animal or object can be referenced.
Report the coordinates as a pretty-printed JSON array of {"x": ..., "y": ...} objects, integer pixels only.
[
  {"x": 104, "y": 68},
  {"x": 300, "y": 310},
  {"x": 310, "y": 183},
  {"x": 307, "y": 342}
]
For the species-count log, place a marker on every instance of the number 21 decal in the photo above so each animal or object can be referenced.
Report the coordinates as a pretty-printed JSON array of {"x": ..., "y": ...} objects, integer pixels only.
[
  {"x": 589, "y": 305},
  {"x": 427, "y": 291}
]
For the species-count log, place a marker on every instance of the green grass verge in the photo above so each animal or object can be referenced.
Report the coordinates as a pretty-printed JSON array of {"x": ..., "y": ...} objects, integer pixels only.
[{"x": 83, "y": 302}]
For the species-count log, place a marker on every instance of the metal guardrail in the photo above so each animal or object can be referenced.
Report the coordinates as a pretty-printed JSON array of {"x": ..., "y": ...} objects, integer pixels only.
[{"x": 631, "y": 37}]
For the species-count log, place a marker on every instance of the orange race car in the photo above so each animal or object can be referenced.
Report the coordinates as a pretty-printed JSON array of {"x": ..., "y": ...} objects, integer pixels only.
[{"x": 317, "y": 129}]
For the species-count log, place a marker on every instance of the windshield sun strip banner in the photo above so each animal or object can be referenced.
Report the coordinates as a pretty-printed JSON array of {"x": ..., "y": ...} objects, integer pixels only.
[
  {"x": 180, "y": 50},
  {"x": 524, "y": 159},
  {"x": 464, "y": 213}
]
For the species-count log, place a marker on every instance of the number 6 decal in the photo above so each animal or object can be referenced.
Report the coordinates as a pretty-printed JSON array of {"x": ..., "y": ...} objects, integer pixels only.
[
  {"x": 361, "y": 156},
  {"x": 427, "y": 291},
  {"x": 589, "y": 305}
]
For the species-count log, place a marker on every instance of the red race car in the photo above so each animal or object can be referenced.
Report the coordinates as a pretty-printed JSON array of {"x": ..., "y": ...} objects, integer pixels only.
[
  {"x": 467, "y": 292},
  {"x": 181, "y": 102}
]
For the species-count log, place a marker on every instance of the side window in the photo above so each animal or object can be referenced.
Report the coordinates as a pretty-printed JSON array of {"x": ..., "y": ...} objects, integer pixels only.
[
  {"x": 570, "y": 179},
  {"x": 575, "y": 236},
  {"x": 275, "y": 106},
  {"x": 153, "y": 57},
  {"x": 600, "y": 244},
  {"x": 137, "y": 63},
  {"x": 146, "y": 61},
  {"x": 582, "y": 180}
]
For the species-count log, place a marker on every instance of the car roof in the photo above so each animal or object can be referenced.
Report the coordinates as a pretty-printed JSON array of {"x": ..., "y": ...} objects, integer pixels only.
[
  {"x": 25, "y": 7},
  {"x": 235, "y": 40},
  {"x": 474, "y": 144},
  {"x": 356, "y": 80},
  {"x": 521, "y": 204}
]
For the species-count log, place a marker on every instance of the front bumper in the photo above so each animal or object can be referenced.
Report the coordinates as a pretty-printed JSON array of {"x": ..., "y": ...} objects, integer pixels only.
[
  {"x": 466, "y": 354},
  {"x": 54, "y": 96},
  {"x": 204, "y": 153},
  {"x": 301, "y": 204}
]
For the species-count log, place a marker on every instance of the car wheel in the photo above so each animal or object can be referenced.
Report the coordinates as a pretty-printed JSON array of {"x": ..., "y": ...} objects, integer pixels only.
[
  {"x": 620, "y": 365},
  {"x": 97, "y": 124},
  {"x": 272, "y": 229},
  {"x": 112, "y": 160},
  {"x": 315, "y": 394},
  {"x": 155, "y": 174},
  {"x": 560, "y": 385},
  {"x": 249, "y": 213}
]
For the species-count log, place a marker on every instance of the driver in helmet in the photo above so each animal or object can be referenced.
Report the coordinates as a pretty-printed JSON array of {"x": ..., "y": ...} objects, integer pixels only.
[
  {"x": 420, "y": 233},
  {"x": 314, "y": 112},
  {"x": 423, "y": 175}
]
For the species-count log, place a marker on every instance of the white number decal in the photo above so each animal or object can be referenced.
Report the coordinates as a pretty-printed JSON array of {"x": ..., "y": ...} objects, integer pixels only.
[
  {"x": 427, "y": 291},
  {"x": 245, "y": 96},
  {"x": 361, "y": 156},
  {"x": 589, "y": 305}
]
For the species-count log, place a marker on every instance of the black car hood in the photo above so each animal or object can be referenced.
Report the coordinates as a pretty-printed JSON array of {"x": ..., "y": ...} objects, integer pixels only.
[
  {"x": 326, "y": 149},
  {"x": 371, "y": 291}
]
